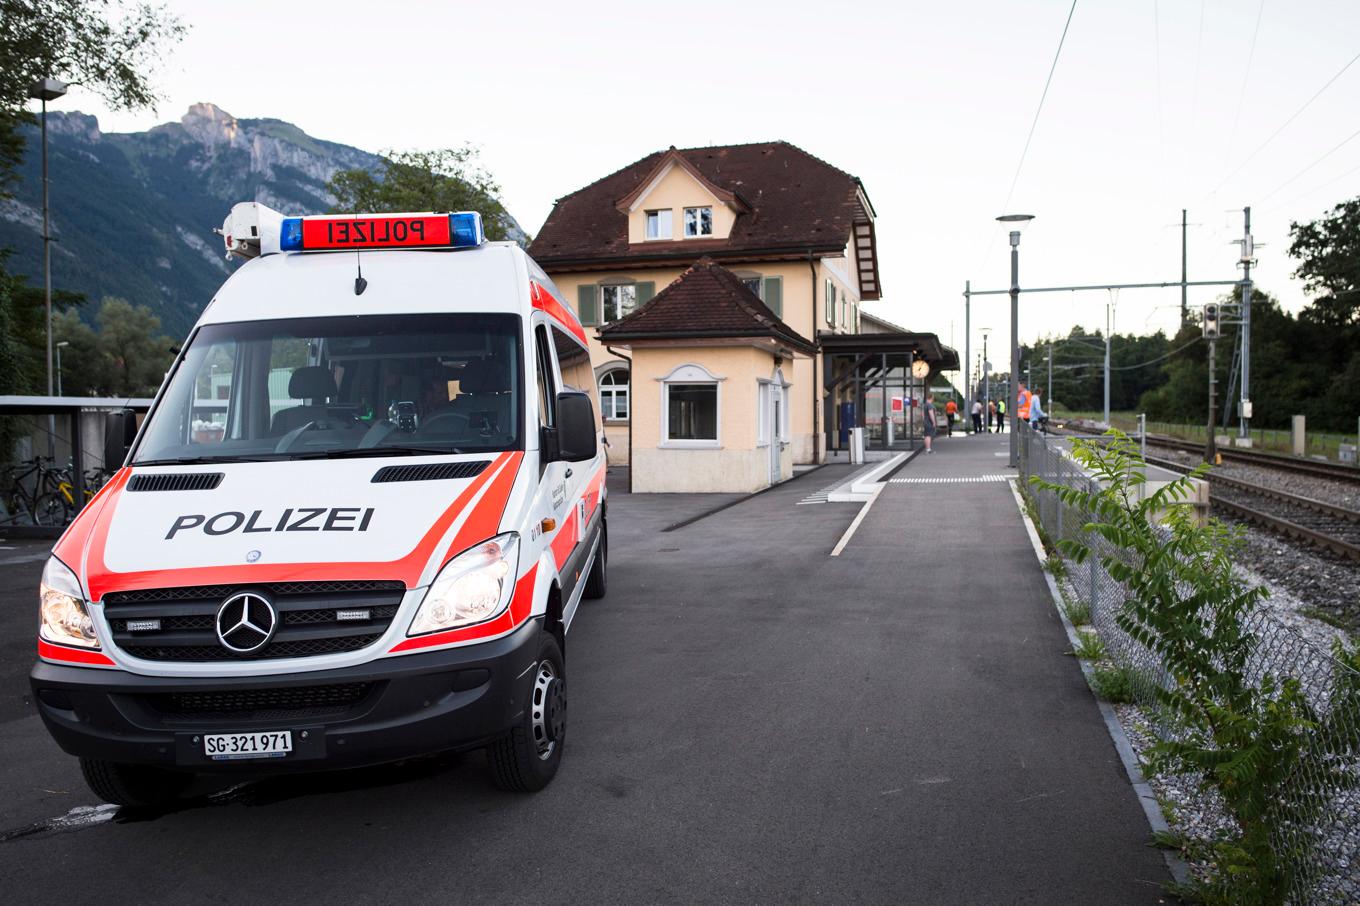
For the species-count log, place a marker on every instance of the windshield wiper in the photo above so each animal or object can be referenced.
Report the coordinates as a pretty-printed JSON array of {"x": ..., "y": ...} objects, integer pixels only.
[
  {"x": 203, "y": 460},
  {"x": 394, "y": 450}
]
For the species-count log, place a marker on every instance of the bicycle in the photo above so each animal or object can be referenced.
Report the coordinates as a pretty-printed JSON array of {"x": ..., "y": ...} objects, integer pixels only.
[{"x": 43, "y": 504}]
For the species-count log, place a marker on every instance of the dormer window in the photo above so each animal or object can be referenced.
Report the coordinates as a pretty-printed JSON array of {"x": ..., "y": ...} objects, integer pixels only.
[
  {"x": 698, "y": 222},
  {"x": 659, "y": 225}
]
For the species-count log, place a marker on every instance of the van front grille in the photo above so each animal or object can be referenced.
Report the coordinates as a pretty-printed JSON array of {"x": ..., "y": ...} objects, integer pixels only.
[{"x": 312, "y": 618}]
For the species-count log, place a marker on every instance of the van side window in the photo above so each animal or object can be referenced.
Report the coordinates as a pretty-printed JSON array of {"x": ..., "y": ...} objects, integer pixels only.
[{"x": 547, "y": 396}]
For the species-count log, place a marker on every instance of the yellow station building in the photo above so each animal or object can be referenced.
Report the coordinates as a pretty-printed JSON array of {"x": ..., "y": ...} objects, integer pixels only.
[{"x": 722, "y": 287}]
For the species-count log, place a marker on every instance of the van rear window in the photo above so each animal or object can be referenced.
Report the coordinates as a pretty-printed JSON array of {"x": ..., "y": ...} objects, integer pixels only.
[{"x": 374, "y": 385}]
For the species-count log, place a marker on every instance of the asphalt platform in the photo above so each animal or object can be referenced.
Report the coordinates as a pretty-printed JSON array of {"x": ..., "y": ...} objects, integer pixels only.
[{"x": 752, "y": 720}]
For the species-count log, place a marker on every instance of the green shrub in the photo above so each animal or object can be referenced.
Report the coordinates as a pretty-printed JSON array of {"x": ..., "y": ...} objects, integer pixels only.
[
  {"x": 1246, "y": 738},
  {"x": 1119, "y": 684},
  {"x": 1077, "y": 611},
  {"x": 1089, "y": 646}
]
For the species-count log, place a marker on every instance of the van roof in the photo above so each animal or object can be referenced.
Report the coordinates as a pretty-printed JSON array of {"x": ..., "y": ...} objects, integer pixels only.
[{"x": 490, "y": 278}]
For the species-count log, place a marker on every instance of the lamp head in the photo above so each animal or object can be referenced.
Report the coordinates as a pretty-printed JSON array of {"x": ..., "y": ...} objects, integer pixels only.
[{"x": 47, "y": 90}]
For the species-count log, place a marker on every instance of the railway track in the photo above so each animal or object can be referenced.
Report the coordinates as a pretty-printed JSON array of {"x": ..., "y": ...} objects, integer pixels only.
[
  {"x": 1315, "y": 522},
  {"x": 1313, "y": 468}
]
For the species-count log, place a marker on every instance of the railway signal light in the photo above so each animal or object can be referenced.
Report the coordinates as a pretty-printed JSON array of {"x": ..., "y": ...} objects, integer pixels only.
[{"x": 1211, "y": 324}]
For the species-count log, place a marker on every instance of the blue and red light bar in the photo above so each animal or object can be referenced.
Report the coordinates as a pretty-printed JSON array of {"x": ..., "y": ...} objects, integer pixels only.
[{"x": 377, "y": 231}]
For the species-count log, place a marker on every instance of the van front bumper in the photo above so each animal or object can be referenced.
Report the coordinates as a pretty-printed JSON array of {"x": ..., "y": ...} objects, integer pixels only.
[{"x": 386, "y": 710}]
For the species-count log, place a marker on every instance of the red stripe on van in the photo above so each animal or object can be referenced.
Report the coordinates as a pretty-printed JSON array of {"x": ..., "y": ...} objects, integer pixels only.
[
  {"x": 521, "y": 605},
  {"x": 548, "y": 303},
  {"x": 100, "y": 579},
  {"x": 49, "y": 652}
]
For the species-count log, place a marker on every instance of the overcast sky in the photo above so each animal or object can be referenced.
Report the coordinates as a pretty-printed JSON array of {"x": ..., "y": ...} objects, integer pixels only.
[{"x": 1155, "y": 105}]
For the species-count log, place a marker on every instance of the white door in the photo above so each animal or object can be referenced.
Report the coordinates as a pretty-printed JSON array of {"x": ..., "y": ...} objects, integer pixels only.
[{"x": 775, "y": 432}]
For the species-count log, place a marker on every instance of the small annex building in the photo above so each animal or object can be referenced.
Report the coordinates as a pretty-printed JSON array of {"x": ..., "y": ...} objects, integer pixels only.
[{"x": 712, "y": 356}]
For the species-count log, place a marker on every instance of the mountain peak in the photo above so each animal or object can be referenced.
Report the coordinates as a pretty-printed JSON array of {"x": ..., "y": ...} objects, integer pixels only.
[{"x": 210, "y": 124}]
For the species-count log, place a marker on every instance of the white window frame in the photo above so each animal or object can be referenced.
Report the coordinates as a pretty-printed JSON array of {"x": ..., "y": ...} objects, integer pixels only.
[
  {"x": 632, "y": 287},
  {"x": 829, "y": 303},
  {"x": 698, "y": 222},
  {"x": 764, "y": 402},
  {"x": 690, "y": 374},
  {"x": 613, "y": 391},
  {"x": 667, "y": 214}
]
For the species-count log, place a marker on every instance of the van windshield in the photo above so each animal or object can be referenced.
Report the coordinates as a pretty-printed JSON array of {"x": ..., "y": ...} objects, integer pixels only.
[{"x": 374, "y": 385}]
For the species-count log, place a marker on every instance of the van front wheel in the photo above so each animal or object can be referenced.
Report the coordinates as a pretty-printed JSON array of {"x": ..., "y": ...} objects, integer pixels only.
[
  {"x": 133, "y": 785},
  {"x": 597, "y": 580},
  {"x": 525, "y": 759}
]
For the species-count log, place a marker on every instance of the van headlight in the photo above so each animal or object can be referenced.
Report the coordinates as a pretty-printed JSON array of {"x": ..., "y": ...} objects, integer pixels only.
[
  {"x": 62, "y": 617},
  {"x": 471, "y": 588}
]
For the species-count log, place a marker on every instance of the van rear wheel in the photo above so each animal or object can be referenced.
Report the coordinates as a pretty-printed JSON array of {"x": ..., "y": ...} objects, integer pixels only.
[
  {"x": 133, "y": 785},
  {"x": 526, "y": 759},
  {"x": 597, "y": 581}
]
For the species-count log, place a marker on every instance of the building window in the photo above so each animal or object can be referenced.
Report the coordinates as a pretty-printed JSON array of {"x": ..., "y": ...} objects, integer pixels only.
[
  {"x": 830, "y": 306},
  {"x": 698, "y": 222},
  {"x": 614, "y": 393},
  {"x": 617, "y": 301},
  {"x": 659, "y": 225},
  {"x": 692, "y": 412},
  {"x": 752, "y": 283}
]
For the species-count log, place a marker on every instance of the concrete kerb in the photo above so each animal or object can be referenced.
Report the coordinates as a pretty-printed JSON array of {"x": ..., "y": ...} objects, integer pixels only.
[
  {"x": 1180, "y": 872},
  {"x": 731, "y": 503},
  {"x": 864, "y": 484}
]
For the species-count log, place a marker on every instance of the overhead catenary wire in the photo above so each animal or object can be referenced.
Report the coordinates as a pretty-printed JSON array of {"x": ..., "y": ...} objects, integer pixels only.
[
  {"x": 1335, "y": 148},
  {"x": 1242, "y": 94},
  {"x": 1293, "y": 116},
  {"x": 1034, "y": 124},
  {"x": 1318, "y": 188}
]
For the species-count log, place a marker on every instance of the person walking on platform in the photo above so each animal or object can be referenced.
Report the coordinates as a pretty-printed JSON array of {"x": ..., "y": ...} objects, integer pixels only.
[
  {"x": 1036, "y": 412},
  {"x": 991, "y": 414},
  {"x": 951, "y": 411},
  {"x": 1000, "y": 416},
  {"x": 928, "y": 421},
  {"x": 977, "y": 416},
  {"x": 1022, "y": 400}
]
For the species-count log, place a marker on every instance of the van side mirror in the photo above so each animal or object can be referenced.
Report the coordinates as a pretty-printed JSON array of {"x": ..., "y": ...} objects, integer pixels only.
[
  {"x": 120, "y": 429},
  {"x": 577, "y": 439}
]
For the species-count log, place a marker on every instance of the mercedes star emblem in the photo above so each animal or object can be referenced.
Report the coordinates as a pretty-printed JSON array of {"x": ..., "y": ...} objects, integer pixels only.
[{"x": 246, "y": 622}]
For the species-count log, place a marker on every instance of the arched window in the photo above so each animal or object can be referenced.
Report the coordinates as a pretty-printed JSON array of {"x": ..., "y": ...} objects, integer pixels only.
[{"x": 614, "y": 393}]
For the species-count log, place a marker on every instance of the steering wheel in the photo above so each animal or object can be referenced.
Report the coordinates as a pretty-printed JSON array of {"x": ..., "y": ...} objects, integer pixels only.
[
  {"x": 458, "y": 423},
  {"x": 346, "y": 420}
]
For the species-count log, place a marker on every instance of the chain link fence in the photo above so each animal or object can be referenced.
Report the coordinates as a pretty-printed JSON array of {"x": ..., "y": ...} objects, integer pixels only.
[{"x": 1323, "y": 787}]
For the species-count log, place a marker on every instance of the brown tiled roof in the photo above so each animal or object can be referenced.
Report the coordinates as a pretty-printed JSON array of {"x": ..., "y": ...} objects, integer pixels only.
[
  {"x": 799, "y": 204},
  {"x": 706, "y": 301}
]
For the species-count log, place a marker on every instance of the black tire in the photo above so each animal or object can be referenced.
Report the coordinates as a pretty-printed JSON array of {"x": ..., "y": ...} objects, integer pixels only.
[
  {"x": 133, "y": 785},
  {"x": 50, "y": 509},
  {"x": 526, "y": 759},
  {"x": 597, "y": 582}
]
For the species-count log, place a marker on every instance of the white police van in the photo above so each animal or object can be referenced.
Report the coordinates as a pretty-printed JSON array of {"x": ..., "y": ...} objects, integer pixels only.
[{"x": 354, "y": 527}]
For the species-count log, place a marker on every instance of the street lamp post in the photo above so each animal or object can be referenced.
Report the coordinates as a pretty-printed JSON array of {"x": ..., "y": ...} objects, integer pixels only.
[
  {"x": 45, "y": 90},
  {"x": 986, "y": 379},
  {"x": 59, "y": 345},
  {"x": 1015, "y": 327}
]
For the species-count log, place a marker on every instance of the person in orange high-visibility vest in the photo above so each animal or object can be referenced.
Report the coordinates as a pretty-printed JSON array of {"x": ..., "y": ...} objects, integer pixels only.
[{"x": 1022, "y": 402}]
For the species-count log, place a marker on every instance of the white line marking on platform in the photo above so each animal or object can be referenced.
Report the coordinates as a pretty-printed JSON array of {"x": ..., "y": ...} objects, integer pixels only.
[
  {"x": 966, "y": 479},
  {"x": 859, "y": 517}
]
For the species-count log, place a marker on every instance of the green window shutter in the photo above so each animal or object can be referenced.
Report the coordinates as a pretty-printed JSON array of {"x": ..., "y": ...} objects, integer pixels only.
[
  {"x": 588, "y": 304},
  {"x": 645, "y": 291},
  {"x": 774, "y": 295}
]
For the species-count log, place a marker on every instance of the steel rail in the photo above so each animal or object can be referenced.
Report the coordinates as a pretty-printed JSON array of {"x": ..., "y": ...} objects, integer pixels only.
[
  {"x": 1287, "y": 528},
  {"x": 1270, "y": 521},
  {"x": 1265, "y": 460}
]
